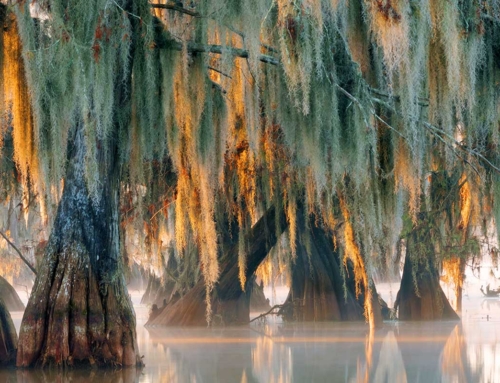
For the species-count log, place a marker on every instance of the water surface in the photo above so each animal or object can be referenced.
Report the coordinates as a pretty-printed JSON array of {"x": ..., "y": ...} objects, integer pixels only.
[{"x": 324, "y": 352}]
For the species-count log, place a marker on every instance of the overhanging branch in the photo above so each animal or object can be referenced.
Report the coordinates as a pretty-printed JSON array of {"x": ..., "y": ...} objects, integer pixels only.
[
  {"x": 192, "y": 47},
  {"x": 172, "y": 6}
]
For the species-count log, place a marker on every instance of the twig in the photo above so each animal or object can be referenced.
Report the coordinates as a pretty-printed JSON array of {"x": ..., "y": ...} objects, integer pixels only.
[
  {"x": 19, "y": 252},
  {"x": 421, "y": 100},
  {"x": 268, "y": 312},
  {"x": 219, "y": 71}
]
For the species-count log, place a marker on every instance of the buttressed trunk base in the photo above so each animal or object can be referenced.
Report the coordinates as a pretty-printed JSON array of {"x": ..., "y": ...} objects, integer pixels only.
[
  {"x": 423, "y": 299},
  {"x": 79, "y": 312}
]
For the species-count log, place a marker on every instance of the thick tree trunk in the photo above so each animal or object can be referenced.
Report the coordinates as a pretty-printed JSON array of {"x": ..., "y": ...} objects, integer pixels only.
[
  {"x": 420, "y": 296},
  {"x": 317, "y": 289},
  {"x": 10, "y": 297},
  {"x": 230, "y": 305},
  {"x": 79, "y": 311},
  {"x": 8, "y": 337}
]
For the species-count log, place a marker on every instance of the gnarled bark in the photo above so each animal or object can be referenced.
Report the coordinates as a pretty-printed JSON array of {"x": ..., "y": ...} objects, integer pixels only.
[
  {"x": 8, "y": 337},
  {"x": 230, "y": 305},
  {"x": 10, "y": 297},
  {"x": 420, "y": 296}
]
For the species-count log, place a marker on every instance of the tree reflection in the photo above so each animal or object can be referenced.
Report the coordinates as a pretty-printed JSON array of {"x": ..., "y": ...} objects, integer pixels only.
[
  {"x": 126, "y": 375},
  {"x": 454, "y": 363},
  {"x": 390, "y": 367}
]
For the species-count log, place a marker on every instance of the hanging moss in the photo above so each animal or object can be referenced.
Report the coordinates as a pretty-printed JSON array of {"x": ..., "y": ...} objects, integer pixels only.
[{"x": 367, "y": 99}]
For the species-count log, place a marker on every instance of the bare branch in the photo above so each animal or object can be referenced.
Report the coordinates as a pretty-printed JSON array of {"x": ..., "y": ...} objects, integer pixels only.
[
  {"x": 270, "y": 312},
  {"x": 192, "y": 47},
  {"x": 18, "y": 252},
  {"x": 219, "y": 71},
  {"x": 172, "y": 6}
]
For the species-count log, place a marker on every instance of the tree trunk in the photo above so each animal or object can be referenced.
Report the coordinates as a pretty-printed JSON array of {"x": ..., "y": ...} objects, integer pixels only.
[
  {"x": 10, "y": 297},
  {"x": 79, "y": 311},
  {"x": 258, "y": 301},
  {"x": 230, "y": 305},
  {"x": 8, "y": 337},
  {"x": 157, "y": 292},
  {"x": 160, "y": 292},
  {"x": 420, "y": 296},
  {"x": 317, "y": 290},
  {"x": 459, "y": 283}
]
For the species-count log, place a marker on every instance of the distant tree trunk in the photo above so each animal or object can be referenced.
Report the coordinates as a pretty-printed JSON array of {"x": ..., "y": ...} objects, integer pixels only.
[
  {"x": 459, "y": 283},
  {"x": 317, "y": 289},
  {"x": 230, "y": 305},
  {"x": 420, "y": 296},
  {"x": 162, "y": 290},
  {"x": 157, "y": 291},
  {"x": 8, "y": 337},
  {"x": 258, "y": 301},
  {"x": 10, "y": 297}
]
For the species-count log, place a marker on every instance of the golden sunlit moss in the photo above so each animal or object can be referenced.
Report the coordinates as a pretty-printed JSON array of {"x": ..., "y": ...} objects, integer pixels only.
[
  {"x": 243, "y": 135},
  {"x": 352, "y": 252},
  {"x": 18, "y": 104},
  {"x": 406, "y": 176},
  {"x": 390, "y": 23}
]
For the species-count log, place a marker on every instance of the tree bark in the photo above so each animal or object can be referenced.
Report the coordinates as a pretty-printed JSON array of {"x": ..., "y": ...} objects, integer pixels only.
[
  {"x": 420, "y": 296},
  {"x": 230, "y": 304},
  {"x": 79, "y": 311},
  {"x": 10, "y": 297},
  {"x": 8, "y": 337},
  {"x": 317, "y": 292}
]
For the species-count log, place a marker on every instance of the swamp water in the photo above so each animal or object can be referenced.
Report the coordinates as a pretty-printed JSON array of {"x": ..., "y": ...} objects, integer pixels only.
[{"x": 327, "y": 352}]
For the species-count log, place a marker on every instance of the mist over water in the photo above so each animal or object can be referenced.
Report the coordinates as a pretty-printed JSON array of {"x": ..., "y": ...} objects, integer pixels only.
[{"x": 321, "y": 352}]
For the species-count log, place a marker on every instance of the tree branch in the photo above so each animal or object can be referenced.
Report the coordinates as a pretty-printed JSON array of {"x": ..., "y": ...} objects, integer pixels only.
[
  {"x": 19, "y": 252},
  {"x": 172, "y": 6},
  {"x": 268, "y": 312},
  {"x": 192, "y": 47}
]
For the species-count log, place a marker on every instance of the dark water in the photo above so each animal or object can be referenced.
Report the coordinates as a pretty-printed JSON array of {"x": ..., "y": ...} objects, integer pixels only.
[{"x": 400, "y": 352}]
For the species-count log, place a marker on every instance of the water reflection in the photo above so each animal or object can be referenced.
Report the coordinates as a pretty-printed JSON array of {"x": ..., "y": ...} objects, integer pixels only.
[
  {"x": 454, "y": 363},
  {"x": 404, "y": 352},
  {"x": 391, "y": 367},
  {"x": 130, "y": 375}
]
